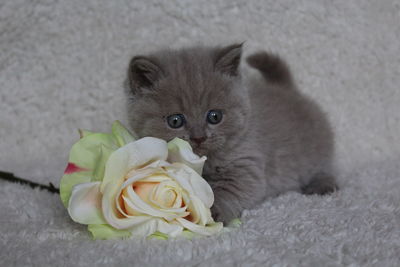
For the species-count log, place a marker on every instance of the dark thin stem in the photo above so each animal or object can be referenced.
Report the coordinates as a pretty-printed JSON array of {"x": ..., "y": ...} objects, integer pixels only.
[{"x": 14, "y": 179}]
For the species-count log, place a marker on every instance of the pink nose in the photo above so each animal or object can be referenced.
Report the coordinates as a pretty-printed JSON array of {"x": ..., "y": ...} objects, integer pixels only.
[{"x": 198, "y": 140}]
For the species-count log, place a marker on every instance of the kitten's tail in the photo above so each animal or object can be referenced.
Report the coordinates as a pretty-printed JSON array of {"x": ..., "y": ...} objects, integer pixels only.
[{"x": 272, "y": 67}]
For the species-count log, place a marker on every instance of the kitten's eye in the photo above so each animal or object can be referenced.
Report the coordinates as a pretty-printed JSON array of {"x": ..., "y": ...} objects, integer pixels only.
[
  {"x": 176, "y": 121},
  {"x": 214, "y": 116}
]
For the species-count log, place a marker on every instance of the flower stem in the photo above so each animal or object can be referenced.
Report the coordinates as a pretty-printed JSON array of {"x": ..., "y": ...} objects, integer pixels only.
[{"x": 14, "y": 179}]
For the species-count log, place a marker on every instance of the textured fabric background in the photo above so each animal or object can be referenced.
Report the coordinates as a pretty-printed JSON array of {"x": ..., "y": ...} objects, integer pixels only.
[{"x": 62, "y": 66}]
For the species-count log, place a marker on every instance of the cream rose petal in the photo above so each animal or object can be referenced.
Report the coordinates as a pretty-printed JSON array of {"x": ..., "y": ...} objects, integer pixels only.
[
  {"x": 110, "y": 208},
  {"x": 110, "y": 211},
  {"x": 136, "y": 203},
  {"x": 192, "y": 182},
  {"x": 110, "y": 202},
  {"x": 154, "y": 164},
  {"x": 207, "y": 230},
  {"x": 132, "y": 156},
  {"x": 110, "y": 205},
  {"x": 170, "y": 229},
  {"x": 154, "y": 225},
  {"x": 199, "y": 212},
  {"x": 85, "y": 204},
  {"x": 165, "y": 195},
  {"x": 145, "y": 151},
  {"x": 181, "y": 151}
]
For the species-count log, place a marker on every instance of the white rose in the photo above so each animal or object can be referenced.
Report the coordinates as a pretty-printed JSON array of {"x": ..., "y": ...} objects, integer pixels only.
[{"x": 148, "y": 186}]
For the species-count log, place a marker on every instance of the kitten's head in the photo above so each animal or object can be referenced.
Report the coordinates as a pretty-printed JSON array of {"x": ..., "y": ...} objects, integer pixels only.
[{"x": 195, "y": 94}]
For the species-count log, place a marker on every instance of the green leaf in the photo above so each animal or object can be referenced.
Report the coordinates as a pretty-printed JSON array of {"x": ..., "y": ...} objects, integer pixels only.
[
  {"x": 89, "y": 155},
  {"x": 68, "y": 181},
  {"x": 235, "y": 223},
  {"x": 121, "y": 134},
  {"x": 85, "y": 153},
  {"x": 188, "y": 234},
  {"x": 159, "y": 236},
  {"x": 105, "y": 231},
  {"x": 84, "y": 133},
  {"x": 104, "y": 154}
]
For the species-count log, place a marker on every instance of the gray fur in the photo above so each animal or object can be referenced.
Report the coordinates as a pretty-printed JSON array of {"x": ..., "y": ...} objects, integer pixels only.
[{"x": 272, "y": 138}]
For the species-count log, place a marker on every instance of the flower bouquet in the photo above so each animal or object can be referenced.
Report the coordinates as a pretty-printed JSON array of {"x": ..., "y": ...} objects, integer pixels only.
[{"x": 121, "y": 186}]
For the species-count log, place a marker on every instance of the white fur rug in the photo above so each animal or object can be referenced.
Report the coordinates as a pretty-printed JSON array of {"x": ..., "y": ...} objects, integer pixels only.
[{"x": 62, "y": 65}]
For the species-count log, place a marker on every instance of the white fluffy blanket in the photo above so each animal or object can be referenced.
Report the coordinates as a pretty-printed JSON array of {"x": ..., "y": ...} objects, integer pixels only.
[{"x": 62, "y": 65}]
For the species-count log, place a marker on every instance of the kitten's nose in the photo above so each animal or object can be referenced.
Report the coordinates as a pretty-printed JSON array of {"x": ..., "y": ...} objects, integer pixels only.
[{"x": 198, "y": 140}]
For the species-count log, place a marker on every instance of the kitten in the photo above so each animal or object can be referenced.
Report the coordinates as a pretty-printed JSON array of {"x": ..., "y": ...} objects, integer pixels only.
[{"x": 261, "y": 138}]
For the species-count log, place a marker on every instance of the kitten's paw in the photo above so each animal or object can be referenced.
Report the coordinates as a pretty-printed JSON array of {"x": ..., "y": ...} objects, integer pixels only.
[
  {"x": 320, "y": 184},
  {"x": 224, "y": 215}
]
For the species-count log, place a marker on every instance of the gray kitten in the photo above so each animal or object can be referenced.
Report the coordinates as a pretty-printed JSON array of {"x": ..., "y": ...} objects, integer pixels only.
[{"x": 261, "y": 138}]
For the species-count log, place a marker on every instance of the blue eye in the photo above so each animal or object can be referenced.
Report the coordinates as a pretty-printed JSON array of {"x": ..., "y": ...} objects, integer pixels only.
[
  {"x": 176, "y": 121},
  {"x": 214, "y": 116}
]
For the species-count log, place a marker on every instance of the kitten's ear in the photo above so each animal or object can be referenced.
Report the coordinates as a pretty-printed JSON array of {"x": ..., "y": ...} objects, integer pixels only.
[
  {"x": 227, "y": 59},
  {"x": 143, "y": 72}
]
